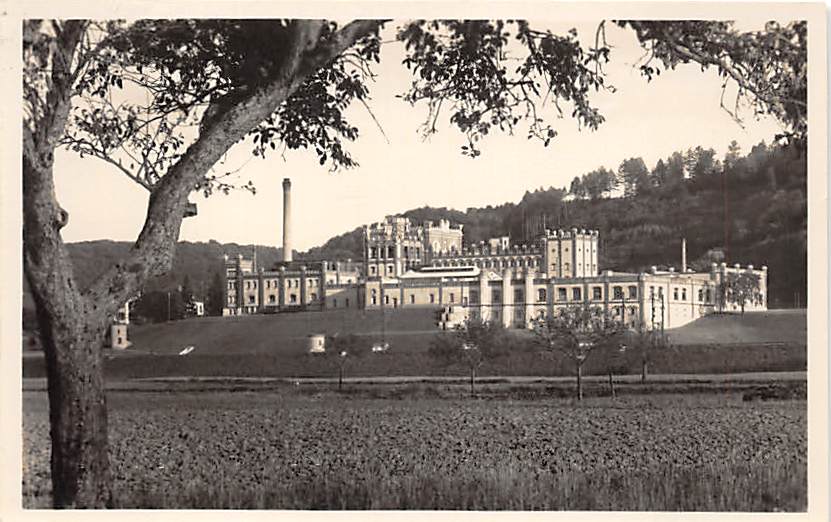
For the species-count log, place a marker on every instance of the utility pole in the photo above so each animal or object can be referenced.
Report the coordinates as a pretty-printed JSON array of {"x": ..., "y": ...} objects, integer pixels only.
[
  {"x": 662, "y": 315},
  {"x": 383, "y": 314},
  {"x": 168, "y": 305},
  {"x": 652, "y": 308}
]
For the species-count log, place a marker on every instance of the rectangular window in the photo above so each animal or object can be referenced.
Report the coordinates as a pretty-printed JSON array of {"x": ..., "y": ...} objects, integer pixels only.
[
  {"x": 519, "y": 296},
  {"x": 272, "y": 299},
  {"x": 347, "y": 302},
  {"x": 293, "y": 298},
  {"x": 474, "y": 297},
  {"x": 268, "y": 283},
  {"x": 372, "y": 270},
  {"x": 541, "y": 295},
  {"x": 617, "y": 292},
  {"x": 700, "y": 295},
  {"x": 660, "y": 291},
  {"x": 432, "y": 298},
  {"x": 452, "y": 297},
  {"x": 576, "y": 294},
  {"x": 709, "y": 295},
  {"x": 633, "y": 292},
  {"x": 675, "y": 294},
  {"x": 250, "y": 299},
  {"x": 386, "y": 299},
  {"x": 496, "y": 296},
  {"x": 562, "y": 294},
  {"x": 597, "y": 293},
  {"x": 390, "y": 270},
  {"x": 412, "y": 298},
  {"x": 683, "y": 294}
]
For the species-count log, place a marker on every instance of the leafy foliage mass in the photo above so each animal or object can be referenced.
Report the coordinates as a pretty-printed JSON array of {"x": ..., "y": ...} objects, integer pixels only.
[
  {"x": 769, "y": 66},
  {"x": 742, "y": 289},
  {"x": 495, "y": 74}
]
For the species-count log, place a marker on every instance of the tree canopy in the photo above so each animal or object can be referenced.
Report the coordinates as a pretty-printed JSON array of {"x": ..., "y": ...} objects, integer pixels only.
[{"x": 770, "y": 67}]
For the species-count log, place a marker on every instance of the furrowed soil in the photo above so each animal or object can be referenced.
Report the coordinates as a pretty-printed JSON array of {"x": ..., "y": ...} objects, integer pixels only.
[{"x": 422, "y": 446}]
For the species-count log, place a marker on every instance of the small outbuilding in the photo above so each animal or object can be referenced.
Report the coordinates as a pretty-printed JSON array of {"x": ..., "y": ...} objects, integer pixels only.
[{"x": 317, "y": 343}]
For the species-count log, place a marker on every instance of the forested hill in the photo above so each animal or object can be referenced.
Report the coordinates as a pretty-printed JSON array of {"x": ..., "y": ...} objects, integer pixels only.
[
  {"x": 692, "y": 194},
  {"x": 766, "y": 211}
]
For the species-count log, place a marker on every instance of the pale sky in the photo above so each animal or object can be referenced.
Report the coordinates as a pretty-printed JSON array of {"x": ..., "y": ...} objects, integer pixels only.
[{"x": 676, "y": 111}]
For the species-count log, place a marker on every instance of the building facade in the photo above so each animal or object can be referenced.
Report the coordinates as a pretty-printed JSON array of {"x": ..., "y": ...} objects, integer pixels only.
[
  {"x": 407, "y": 265},
  {"x": 559, "y": 253},
  {"x": 396, "y": 245},
  {"x": 515, "y": 284},
  {"x": 290, "y": 286},
  {"x": 516, "y": 297}
]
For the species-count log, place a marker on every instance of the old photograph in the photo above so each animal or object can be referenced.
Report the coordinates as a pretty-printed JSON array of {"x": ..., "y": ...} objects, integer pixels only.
[{"x": 555, "y": 260}]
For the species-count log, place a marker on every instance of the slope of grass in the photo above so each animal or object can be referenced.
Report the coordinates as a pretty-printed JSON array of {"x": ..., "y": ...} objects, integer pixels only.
[
  {"x": 410, "y": 330},
  {"x": 278, "y": 333},
  {"x": 772, "y": 326}
]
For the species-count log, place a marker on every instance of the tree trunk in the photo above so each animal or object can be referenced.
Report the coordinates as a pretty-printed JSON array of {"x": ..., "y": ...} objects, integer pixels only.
[
  {"x": 340, "y": 378},
  {"x": 644, "y": 370},
  {"x": 78, "y": 416},
  {"x": 72, "y": 329},
  {"x": 472, "y": 380},
  {"x": 579, "y": 382}
]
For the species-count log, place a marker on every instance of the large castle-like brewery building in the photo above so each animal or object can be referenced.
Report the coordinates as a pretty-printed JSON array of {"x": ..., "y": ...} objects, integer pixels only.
[{"x": 408, "y": 265}]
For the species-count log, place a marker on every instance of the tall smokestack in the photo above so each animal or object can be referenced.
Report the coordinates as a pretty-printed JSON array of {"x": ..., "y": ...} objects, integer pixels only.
[
  {"x": 683, "y": 255},
  {"x": 286, "y": 220}
]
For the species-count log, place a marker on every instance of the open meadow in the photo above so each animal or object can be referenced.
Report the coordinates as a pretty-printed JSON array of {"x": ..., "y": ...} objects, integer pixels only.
[{"x": 429, "y": 446}]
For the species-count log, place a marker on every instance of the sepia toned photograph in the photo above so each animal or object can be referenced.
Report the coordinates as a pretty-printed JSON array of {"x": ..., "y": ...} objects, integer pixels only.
[{"x": 550, "y": 260}]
